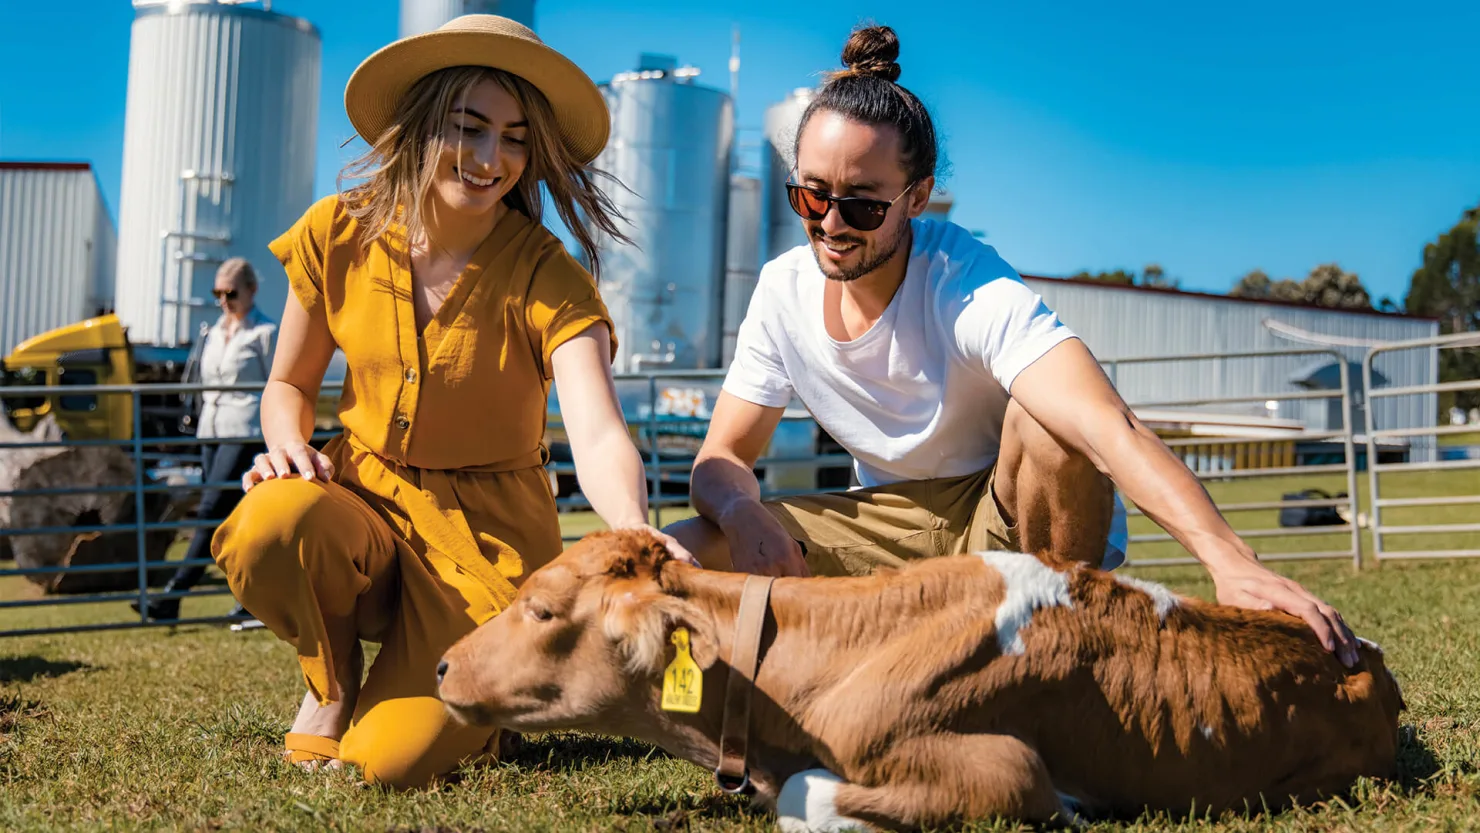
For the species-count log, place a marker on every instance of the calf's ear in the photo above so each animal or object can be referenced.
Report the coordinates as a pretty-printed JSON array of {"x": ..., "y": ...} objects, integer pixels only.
[
  {"x": 643, "y": 622},
  {"x": 678, "y": 613}
]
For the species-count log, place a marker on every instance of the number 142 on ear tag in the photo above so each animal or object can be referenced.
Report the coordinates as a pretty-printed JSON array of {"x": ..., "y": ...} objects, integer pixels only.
[{"x": 683, "y": 682}]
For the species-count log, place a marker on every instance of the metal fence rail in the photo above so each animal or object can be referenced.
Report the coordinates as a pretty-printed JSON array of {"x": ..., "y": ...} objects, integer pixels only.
[
  {"x": 1215, "y": 470},
  {"x": 1212, "y": 459},
  {"x": 1375, "y": 470}
]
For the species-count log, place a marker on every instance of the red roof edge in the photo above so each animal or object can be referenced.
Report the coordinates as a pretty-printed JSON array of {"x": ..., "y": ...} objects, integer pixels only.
[
  {"x": 44, "y": 166},
  {"x": 1157, "y": 290}
]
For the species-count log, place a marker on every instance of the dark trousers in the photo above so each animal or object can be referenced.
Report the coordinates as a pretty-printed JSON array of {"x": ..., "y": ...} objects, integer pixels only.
[{"x": 226, "y": 462}]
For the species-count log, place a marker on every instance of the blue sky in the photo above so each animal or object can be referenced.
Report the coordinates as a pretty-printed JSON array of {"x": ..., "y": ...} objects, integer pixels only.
[{"x": 1210, "y": 138}]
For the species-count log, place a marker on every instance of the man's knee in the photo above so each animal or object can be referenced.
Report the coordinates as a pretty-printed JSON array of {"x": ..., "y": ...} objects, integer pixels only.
[
  {"x": 1035, "y": 468},
  {"x": 1034, "y": 446},
  {"x": 1042, "y": 482},
  {"x": 704, "y": 540}
]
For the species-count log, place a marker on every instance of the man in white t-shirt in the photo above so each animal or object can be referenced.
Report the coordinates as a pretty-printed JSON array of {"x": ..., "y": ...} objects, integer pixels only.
[{"x": 976, "y": 418}]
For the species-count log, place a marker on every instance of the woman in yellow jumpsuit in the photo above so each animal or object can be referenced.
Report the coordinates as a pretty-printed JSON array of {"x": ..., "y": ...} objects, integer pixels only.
[{"x": 455, "y": 309}]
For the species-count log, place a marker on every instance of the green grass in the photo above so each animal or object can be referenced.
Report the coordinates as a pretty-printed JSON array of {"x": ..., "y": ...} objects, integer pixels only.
[
  {"x": 1392, "y": 485},
  {"x": 180, "y": 728},
  {"x": 1467, "y": 438}
]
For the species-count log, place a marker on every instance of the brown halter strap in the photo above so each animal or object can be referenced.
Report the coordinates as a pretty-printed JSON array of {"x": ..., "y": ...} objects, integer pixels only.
[{"x": 733, "y": 773}]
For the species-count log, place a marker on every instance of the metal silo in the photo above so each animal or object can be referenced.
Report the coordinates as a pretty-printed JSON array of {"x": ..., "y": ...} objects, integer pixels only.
[
  {"x": 742, "y": 258},
  {"x": 418, "y": 16},
  {"x": 783, "y": 228},
  {"x": 218, "y": 157},
  {"x": 670, "y": 146}
]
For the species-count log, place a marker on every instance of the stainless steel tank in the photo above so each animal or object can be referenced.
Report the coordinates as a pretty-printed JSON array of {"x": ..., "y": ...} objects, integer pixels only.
[
  {"x": 742, "y": 258},
  {"x": 418, "y": 16},
  {"x": 670, "y": 147},
  {"x": 218, "y": 157},
  {"x": 783, "y": 227}
]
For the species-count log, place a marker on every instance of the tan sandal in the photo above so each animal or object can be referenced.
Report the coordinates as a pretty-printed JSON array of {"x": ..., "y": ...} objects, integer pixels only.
[{"x": 311, "y": 751}]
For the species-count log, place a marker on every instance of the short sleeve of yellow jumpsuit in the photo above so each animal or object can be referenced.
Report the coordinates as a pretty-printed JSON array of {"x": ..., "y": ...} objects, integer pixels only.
[{"x": 439, "y": 503}]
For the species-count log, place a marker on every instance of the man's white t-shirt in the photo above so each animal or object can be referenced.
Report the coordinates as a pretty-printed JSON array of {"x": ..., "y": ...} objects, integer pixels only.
[{"x": 922, "y": 393}]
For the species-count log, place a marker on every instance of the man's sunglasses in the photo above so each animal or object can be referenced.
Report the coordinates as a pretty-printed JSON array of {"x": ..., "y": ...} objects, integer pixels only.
[
  {"x": 228, "y": 294},
  {"x": 859, "y": 212}
]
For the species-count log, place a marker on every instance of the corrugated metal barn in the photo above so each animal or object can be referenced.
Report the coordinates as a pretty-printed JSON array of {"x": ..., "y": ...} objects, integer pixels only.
[
  {"x": 1122, "y": 322},
  {"x": 57, "y": 245}
]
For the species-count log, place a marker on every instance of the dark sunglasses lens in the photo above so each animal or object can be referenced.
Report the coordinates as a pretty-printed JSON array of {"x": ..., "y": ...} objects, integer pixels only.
[
  {"x": 806, "y": 203},
  {"x": 229, "y": 294},
  {"x": 864, "y": 215}
]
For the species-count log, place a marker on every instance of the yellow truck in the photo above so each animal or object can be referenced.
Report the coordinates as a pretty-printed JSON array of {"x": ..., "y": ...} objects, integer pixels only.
[
  {"x": 96, "y": 351},
  {"x": 91, "y": 352}
]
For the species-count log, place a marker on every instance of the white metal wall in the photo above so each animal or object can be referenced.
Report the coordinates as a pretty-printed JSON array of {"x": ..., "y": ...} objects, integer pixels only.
[
  {"x": 105, "y": 258},
  {"x": 418, "y": 16},
  {"x": 218, "y": 152},
  {"x": 56, "y": 243},
  {"x": 1118, "y": 322}
]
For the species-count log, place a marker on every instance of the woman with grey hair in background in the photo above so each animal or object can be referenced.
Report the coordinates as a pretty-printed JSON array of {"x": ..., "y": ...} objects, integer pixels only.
[{"x": 236, "y": 350}]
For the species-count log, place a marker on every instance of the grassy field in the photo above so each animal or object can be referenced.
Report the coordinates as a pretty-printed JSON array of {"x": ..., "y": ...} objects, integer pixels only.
[{"x": 180, "y": 728}]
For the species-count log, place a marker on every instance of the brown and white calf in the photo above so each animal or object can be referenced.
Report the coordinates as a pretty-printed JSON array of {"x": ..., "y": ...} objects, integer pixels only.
[{"x": 955, "y": 689}]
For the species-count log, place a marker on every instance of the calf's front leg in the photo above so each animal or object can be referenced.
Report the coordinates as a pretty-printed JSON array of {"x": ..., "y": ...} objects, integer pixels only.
[{"x": 935, "y": 781}]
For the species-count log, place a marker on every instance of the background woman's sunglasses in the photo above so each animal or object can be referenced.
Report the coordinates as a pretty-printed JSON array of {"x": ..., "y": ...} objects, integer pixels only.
[
  {"x": 228, "y": 294},
  {"x": 859, "y": 212}
]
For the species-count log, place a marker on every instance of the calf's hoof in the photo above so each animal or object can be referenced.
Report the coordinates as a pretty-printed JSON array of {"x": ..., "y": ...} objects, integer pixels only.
[{"x": 807, "y": 803}]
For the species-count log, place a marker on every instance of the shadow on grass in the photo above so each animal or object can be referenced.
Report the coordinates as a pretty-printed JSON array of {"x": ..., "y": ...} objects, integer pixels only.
[
  {"x": 29, "y": 668},
  {"x": 564, "y": 752},
  {"x": 1416, "y": 762},
  {"x": 666, "y": 815}
]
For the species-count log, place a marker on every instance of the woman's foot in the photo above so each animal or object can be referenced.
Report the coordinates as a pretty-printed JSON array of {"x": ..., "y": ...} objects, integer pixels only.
[{"x": 330, "y": 721}]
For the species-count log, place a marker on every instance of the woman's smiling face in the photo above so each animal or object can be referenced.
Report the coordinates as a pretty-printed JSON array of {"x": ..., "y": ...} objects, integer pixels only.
[{"x": 484, "y": 150}]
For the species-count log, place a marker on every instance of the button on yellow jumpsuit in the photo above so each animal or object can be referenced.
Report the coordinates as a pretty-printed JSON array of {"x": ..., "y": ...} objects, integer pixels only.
[{"x": 439, "y": 503}]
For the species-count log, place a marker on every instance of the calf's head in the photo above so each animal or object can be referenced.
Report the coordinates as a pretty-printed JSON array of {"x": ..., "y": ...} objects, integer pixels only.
[{"x": 583, "y": 644}]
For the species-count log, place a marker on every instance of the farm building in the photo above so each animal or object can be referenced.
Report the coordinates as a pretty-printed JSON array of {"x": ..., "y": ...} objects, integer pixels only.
[
  {"x": 57, "y": 243},
  {"x": 1125, "y": 323}
]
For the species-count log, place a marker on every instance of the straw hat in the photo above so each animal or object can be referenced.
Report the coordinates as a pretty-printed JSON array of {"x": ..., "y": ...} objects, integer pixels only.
[{"x": 484, "y": 40}]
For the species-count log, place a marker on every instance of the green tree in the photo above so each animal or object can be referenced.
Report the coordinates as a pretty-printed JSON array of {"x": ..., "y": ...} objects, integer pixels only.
[
  {"x": 1119, "y": 276},
  {"x": 1327, "y": 285},
  {"x": 1256, "y": 284},
  {"x": 1447, "y": 287},
  {"x": 1155, "y": 276}
]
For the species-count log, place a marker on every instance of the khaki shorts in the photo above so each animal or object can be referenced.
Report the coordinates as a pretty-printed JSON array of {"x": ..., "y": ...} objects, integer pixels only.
[{"x": 856, "y": 532}]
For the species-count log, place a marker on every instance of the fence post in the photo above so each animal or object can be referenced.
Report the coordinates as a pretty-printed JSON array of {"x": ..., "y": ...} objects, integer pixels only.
[
  {"x": 1349, "y": 449},
  {"x": 655, "y": 482},
  {"x": 139, "y": 542},
  {"x": 1373, "y": 496}
]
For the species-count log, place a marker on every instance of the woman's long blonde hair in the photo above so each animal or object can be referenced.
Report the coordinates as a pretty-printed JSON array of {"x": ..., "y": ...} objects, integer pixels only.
[{"x": 398, "y": 169}]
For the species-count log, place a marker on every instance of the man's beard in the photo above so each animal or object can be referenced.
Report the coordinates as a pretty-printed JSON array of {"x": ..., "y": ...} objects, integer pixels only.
[{"x": 866, "y": 265}]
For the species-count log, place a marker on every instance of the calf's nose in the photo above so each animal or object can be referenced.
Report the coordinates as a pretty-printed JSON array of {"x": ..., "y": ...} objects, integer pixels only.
[{"x": 441, "y": 671}]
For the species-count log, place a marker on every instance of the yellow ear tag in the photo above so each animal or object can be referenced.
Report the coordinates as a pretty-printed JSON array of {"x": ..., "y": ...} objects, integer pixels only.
[{"x": 683, "y": 682}]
